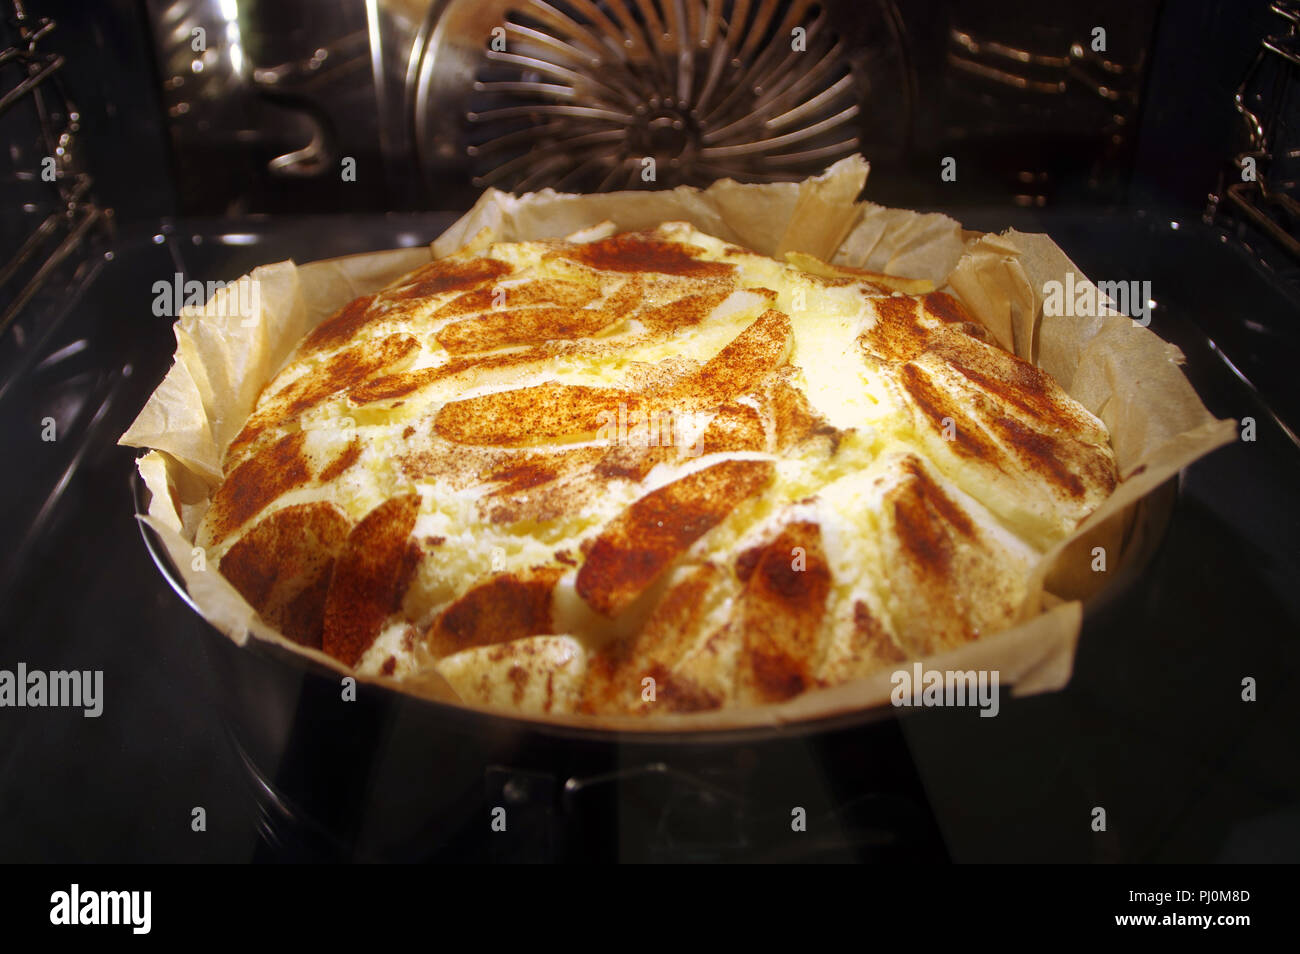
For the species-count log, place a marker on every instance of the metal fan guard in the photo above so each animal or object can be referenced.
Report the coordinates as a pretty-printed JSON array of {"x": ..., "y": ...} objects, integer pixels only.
[{"x": 588, "y": 96}]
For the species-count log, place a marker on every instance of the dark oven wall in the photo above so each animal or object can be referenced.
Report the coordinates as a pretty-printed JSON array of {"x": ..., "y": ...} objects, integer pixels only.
[
  {"x": 262, "y": 118},
  {"x": 303, "y": 107}
]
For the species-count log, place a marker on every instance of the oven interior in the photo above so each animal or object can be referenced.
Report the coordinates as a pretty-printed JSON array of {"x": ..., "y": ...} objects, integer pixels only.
[{"x": 200, "y": 138}]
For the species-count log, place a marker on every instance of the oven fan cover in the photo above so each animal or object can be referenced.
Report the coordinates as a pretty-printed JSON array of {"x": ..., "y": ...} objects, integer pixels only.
[{"x": 598, "y": 95}]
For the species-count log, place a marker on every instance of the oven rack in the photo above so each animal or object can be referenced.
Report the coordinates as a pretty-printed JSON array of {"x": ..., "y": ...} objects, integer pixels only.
[
  {"x": 1266, "y": 195},
  {"x": 73, "y": 215}
]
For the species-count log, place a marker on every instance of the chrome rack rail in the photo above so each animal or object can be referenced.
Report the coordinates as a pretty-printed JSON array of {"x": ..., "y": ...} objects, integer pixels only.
[
  {"x": 73, "y": 214},
  {"x": 1263, "y": 100}
]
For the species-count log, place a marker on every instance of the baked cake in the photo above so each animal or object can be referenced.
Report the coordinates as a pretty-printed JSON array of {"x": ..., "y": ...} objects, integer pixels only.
[{"x": 648, "y": 472}]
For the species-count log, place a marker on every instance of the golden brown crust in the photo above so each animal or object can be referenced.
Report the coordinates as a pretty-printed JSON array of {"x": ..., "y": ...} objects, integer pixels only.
[
  {"x": 1011, "y": 424},
  {"x": 746, "y": 361},
  {"x": 548, "y": 411},
  {"x": 637, "y": 546},
  {"x": 335, "y": 468},
  {"x": 644, "y": 252},
  {"x": 506, "y": 607},
  {"x": 344, "y": 370},
  {"x": 616, "y": 681},
  {"x": 780, "y": 614},
  {"x": 933, "y": 542},
  {"x": 684, "y": 312},
  {"x": 448, "y": 275},
  {"x": 520, "y": 326},
  {"x": 370, "y": 578},
  {"x": 343, "y": 325},
  {"x": 282, "y": 566},
  {"x": 793, "y": 418},
  {"x": 489, "y": 298},
  {"x": 736, "y": 427},
  {"x": 255, "y": 483}
]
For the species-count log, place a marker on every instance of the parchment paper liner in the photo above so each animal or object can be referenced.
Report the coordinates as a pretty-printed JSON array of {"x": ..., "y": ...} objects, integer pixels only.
[{"x": 1122, "y": 372}]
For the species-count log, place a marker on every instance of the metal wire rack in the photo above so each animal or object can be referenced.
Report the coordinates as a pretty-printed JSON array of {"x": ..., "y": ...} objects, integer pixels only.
[
  {"x": 44, "y": 175},
  {"x": 1265, "y": 194}
]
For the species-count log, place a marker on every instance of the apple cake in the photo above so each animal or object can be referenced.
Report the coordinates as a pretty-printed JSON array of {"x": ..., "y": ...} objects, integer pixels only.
[{"x": 648, "y": 472}]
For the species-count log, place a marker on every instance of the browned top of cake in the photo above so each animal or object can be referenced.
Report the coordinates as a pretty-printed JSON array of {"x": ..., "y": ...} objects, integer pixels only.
[{"x": 653, "y": 472}]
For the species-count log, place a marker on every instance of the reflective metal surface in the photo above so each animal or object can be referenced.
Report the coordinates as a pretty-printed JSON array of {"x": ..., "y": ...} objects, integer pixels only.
[{"x": 589, "y": 97}]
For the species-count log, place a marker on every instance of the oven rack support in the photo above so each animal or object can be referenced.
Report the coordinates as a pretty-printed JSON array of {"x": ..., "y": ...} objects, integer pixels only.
[
  {"x": 74, "y": 215},
  {"x": 1261, "y": 197}
]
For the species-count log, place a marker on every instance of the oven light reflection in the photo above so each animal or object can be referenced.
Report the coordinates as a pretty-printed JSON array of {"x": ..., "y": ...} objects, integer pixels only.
[
  {"x": 229, "y": 10},
  {"x": 67, "y": 351}
]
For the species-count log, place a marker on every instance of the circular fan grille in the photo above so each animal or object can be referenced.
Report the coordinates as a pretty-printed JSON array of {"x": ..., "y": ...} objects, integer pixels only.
[{"x": 592, "y": 96}]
